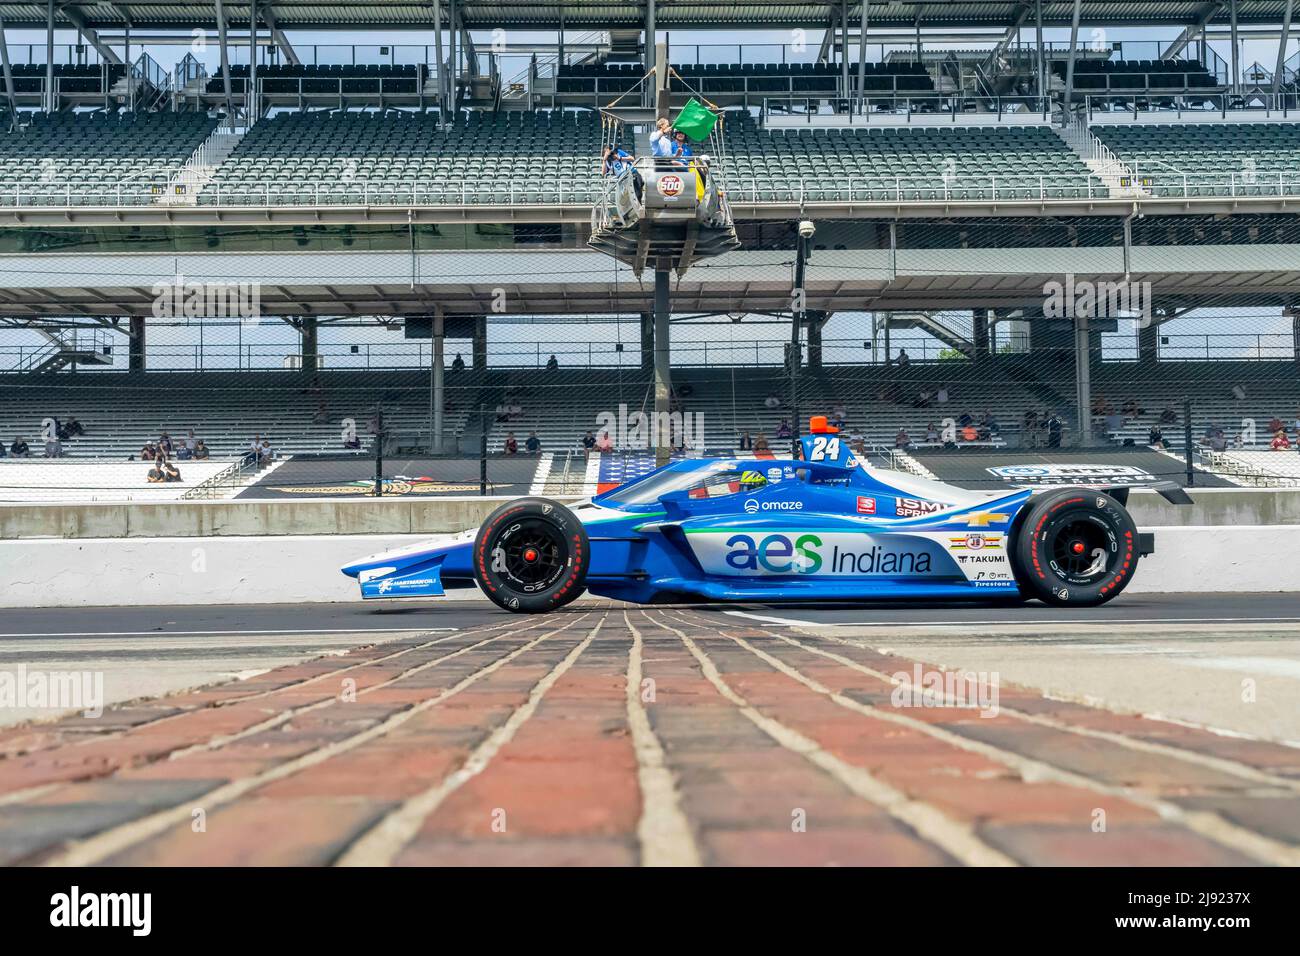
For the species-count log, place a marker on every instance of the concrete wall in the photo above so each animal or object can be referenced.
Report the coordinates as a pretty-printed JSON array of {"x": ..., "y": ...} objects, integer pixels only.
[
  {"x": 360, "y": 516},
  {"x": 93, "y": 572}
]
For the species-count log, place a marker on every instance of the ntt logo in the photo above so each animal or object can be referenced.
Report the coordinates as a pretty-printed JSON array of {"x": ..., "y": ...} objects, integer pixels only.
[{"x": 752, "y": 506}]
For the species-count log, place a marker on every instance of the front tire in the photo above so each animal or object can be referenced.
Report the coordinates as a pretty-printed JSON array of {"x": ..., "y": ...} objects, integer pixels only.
[
  {"x": 532, "y": 556},
  {"x": 1075, "y": 547}
]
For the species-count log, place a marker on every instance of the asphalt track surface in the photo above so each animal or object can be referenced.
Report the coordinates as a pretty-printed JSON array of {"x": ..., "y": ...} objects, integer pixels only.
[{"x": 1156, "y": 730}]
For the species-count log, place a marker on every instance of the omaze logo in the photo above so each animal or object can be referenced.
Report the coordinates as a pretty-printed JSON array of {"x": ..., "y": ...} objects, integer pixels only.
[
  {"x": 805, "y": 554},
  {"x": 753, "y": 506}
]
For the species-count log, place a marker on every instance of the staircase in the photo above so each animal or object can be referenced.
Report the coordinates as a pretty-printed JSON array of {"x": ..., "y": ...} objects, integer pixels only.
[
  {"x": 930, "y": 323},
  {"x": 183, "y": 188},
  {"x": 66, "y": 347},
  {"x": 1105, "y": 165}
]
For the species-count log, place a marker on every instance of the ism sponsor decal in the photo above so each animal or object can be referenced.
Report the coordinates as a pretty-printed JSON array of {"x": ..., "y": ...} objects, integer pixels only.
[
  {"x": 814, "y": 554},
  {"x": 1061, "y": 473},
  {"x": 916, "y": 507}
]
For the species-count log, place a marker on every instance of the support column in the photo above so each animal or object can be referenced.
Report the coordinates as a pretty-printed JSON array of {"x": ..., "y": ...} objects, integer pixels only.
[
  {"x": 647, "y": 340},
  {"x": 980, "y": 336},
  {"x": 437, "y": 374},
  {"x": 135, "y": 354},
  {"x": 1149, "y": 344},
  {"x": 1083, "y": 382},
  {"x": 9, "y": 74},
  {"x": 479, "y": 343},
  {"x": 437, "y": 52},
  {"x": 309, "y": 332},
  {"x": 663, "y": 373},
  {"x": 651, "y": 50},
  {"x": 1069, "y": 63},
  {"x": 1043, "y": 87},
  {"x": 254, "y": 105},
  {"x": 1281, "y": 46},
  {"x": 1234, "y": 86},
  {"x": 862, "y": 60},
  {"x": 225, "y": 61},
  {"x": 844, "y": 50},
  {"x": 50, "y": 102},
  {"x": 815, "y": 322}
]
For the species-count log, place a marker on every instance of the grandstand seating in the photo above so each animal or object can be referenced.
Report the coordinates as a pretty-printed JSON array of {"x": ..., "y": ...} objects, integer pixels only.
[
  {"x": 349, "y": 156},
  {"x": 920, "y": 163},
  {"x": 1209, "y": 159},
  {"x": 84, "y": 156},
  {"x": 310, "y": 79},
  {"x": 719, "y": 79},
  {"x": 1136, "y": 76}
]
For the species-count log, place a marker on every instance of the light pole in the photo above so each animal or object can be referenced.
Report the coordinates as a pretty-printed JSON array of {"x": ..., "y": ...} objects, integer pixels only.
[{"x": 798, "y": 309}]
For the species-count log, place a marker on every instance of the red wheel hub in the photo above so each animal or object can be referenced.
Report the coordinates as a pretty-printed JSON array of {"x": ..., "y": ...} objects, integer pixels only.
[
  {"x": 1077, "y": 547},
  {"x": 530, "y": 554}
]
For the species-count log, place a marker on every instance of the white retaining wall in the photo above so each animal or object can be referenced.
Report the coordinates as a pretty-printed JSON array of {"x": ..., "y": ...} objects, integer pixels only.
[{"x": 92, "y": 572}]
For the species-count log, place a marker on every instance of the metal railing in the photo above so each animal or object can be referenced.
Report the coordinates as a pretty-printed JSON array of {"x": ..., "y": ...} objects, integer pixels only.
[
  {"x": 929, "y": 105},
  {"x": 1142, "y": 105}
]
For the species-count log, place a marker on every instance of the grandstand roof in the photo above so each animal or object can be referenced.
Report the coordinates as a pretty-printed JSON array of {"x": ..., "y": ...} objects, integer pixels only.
[{"x": 586, "y": 14}]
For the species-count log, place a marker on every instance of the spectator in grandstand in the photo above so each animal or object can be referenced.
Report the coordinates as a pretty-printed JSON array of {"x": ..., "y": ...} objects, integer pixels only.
[
  {"x": 783, "y": 430},
  {"x": 254, "y": 451},
  {"x": 902, "y": 440},
  {"x": 165, "y": 442},
  {"x": 941, "y": 396},
  {"x": 682, "y": 152},
  {"x": 552, "y": 363},
  {"x": 903, "y": 359},
  {"x": 1114, "y": 421},
  {"x": 155, "y": 475},
  {"x": 1276, "y": 425},
  {"x": 604, "y": 441},
  {"x": 148, "y": 451},
  {"x": 772, "y": 401},
  {"x": 458, "y": 363},
  {"x": 589, "y": 441},
  {"x": 201, "y": 452},
  {"x": 661, "y": 142},
  {"x": 760, "y": 443},
  {"x": 265, "y": 455},
  {"x": 1132, "y": 409},
  {"x": 1053, "y": 426},
  {"x": 1168, "y": 416},
  {"x": 511, "y": 446},
  {"x": 184, "y": 452},
  {"x": 19, "y": 449},
  {"x": 923, "y": 398},
  {"x": 191, "y": 442},
  {"x": 73, "y": 427},
  {"x": 533, "y": 443},
  {"x": 53, "y": 447},
  {"x": 514, "y": 410},
  {"x": 1156, "y": 438},
  {"x": 502, "y": 412},
  {"x": 839, "y": 415},
  {"x": 619, "y": 161},
  {"x": 969, "y": 432},
  {"x": 1280, "y": 442},
  {"x": 931, "y": 433},
  {"x": 746, "y": 442},
  {"x": 170, "y": 471}
]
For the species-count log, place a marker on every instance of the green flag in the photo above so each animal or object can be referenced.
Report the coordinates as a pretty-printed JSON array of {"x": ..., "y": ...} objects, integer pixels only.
[{"x": 695, "y": 120}]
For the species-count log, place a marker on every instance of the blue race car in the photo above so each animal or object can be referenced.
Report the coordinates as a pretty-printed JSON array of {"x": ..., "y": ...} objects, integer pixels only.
[{"x": 823, "y": 527}]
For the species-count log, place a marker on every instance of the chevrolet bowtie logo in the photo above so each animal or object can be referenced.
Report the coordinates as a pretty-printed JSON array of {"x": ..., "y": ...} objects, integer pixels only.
[{"x": 982, "y": 519}]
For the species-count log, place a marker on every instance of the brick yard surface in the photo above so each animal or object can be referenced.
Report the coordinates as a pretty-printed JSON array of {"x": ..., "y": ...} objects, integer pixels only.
[{"x": 605, "y": 736}]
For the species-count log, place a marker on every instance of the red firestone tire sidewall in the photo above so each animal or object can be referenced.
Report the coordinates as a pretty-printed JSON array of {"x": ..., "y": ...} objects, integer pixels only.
[
  {"x": 1092, "y": 521},
  {"x": 540, "y": 516}
]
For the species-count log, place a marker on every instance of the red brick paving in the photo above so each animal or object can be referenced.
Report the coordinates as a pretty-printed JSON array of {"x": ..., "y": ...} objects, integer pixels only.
[{"x": 565, "y": 788}]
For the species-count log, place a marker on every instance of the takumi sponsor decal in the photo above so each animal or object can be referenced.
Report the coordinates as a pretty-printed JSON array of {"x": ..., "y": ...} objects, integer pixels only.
[
  {"x": 847, "y": 555},
  {"x": 866, "y": 506},
  {"x": 916, "y": 507},
  {"x": 1069, "y": 473}
]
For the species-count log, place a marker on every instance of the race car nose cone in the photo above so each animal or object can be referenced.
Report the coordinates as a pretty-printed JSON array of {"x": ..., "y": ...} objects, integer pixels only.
[{"x": 530, "y": 555}]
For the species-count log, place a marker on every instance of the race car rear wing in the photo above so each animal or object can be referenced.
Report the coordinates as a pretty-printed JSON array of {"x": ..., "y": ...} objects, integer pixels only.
[{"x": 1171, "y": 491}]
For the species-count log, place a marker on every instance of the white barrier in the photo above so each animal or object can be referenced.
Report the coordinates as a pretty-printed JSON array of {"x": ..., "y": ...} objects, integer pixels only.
[{"x": 287, "y": 569}]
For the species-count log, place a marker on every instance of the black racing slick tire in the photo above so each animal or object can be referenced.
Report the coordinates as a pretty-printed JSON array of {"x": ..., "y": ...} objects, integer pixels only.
[
  {"x": 1075, "y": 547},
  {"x": 532, "y": 556}
]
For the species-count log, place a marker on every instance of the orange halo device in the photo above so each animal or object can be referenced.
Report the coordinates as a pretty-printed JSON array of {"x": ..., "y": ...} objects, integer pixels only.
[{"x": 817, "y": 425}]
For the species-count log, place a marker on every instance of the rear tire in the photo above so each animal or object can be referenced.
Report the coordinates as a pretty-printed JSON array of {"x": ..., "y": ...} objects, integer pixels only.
[
  {"x": 1075, "y": 547},
  {"x": 532, "y": 556}
]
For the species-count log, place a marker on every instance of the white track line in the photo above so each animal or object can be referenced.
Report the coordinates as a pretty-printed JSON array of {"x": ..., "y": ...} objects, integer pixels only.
[
  {"x": 116, "y": 839},
  {"x": 1205, "y": 823},
  {"x": 1024, "y": 622},
  {"x": 664, "y": 832},
  {"x": 384, "y": 842},
  {"x": 1220, "y": 764},
  {"x": 245, "y": 632},
  {"x": 956, "y": 839}
]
